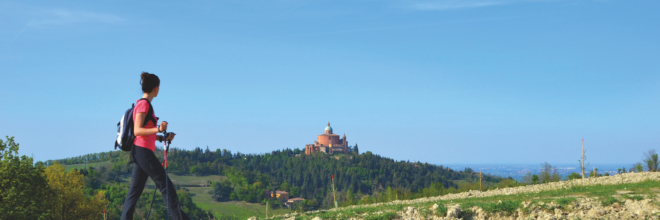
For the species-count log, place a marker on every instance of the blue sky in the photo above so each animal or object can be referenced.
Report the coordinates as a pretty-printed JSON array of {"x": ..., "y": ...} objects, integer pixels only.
[{"x": 472, "y": 81}]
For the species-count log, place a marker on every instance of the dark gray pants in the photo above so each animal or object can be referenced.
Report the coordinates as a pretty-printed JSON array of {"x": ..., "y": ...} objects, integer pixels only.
[{"x": 147, "y": 165}]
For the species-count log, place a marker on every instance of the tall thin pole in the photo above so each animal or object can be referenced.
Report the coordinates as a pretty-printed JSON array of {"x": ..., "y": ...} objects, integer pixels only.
[
  {"x": 333, "y": 190},
  {"x": 583, "y": 158},
  {"x": 266, "y": 208}
]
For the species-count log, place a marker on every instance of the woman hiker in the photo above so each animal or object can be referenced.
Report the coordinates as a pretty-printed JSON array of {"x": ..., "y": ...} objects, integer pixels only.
[{"x": 145, "y": 162}]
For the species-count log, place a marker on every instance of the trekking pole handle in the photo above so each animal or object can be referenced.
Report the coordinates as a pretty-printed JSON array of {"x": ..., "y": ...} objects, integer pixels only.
[{"x": 165, "y": 136}]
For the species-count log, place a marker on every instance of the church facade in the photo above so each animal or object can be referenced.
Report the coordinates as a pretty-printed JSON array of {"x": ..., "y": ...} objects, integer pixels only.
[{"x": 328, "y": 143}]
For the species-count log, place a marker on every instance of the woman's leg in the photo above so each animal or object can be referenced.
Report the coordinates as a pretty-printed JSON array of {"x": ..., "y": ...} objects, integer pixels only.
[
  {"x": 152, "y": 167},
  {"x": 134, "y": 192}
]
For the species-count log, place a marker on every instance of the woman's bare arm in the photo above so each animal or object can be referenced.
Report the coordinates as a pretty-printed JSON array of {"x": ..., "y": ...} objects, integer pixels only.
[{"x": 141, "y": 131}]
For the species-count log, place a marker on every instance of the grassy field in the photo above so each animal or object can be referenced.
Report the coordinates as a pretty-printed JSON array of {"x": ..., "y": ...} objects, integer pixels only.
[
  {"x": 201, "y": 197},
  {"x": 68, "y": 168}
]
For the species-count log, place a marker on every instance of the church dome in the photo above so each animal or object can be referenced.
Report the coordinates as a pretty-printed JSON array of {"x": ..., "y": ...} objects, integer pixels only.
[{"x": 328, "y": 128}]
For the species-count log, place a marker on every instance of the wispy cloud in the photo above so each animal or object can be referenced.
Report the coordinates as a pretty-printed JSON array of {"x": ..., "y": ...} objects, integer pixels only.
[
  {"x": 447, "y": 5},
  {"x": 391, "y": 27},
  {"x": 51, "y": 17},
  {"x": 31, "y": 17},
  {"x": 439, "y": 5}
]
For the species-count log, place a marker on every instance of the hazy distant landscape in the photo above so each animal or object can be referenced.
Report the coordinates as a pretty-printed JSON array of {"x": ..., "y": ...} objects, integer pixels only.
[{"x": 517, "y": 171}]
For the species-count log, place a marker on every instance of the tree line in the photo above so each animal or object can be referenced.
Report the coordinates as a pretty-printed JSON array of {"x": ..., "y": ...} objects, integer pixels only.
[
  {"x": 309, "y": 176},
  {"x": 290, "y": 170}
]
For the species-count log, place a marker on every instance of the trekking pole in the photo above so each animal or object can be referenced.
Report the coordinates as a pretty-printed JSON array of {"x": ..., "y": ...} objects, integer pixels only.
[
  {"x": 152, "y": 200},
  {"x": 167, "y": 178},
  {"x": 166, "y": 148}
]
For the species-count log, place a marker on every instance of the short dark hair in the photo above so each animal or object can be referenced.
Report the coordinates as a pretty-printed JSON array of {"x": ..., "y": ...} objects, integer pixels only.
[{"x": 149, "y": 82}]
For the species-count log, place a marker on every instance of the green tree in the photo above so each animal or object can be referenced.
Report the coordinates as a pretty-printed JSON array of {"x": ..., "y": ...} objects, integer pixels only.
[
  {"x": 639, "y": 167},
  {"x": 300, "y": 206},
  {"x": 70, "y": 201},
  {"x": 221, "y": 191},
  {"x": 535, "y": 179},
  {"x": 573, "y": 176},
  {"x": 651, "y": 161},
  {"x": 295, "y": 191},
  {"x": 24, "y": 192},
  {"x": 390, "y": 194},
  {"x": 285, "y": 187},
  {"x": 508, "y": 182}
]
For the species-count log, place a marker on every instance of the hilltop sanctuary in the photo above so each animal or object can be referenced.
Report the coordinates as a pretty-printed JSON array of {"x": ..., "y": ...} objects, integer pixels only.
[{"x": 328, "y": 143}]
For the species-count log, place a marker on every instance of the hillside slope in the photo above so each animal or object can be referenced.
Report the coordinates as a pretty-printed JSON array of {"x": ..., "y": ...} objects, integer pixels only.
[
  {"x": 623, "y": 196},
  {"x": 358, "y": 178},
  {"x": 306, "y": 176}
]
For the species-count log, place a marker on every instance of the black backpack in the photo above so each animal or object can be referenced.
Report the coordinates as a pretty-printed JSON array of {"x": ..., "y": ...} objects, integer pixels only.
[{"x": 125, "y": 133}]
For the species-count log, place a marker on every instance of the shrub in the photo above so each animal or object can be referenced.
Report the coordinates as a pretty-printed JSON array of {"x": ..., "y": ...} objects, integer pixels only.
[
  {"x": 508, "y": 207},
  {"x": 565, "y": 201},
  {"x": 535, "y": 179},
  {"x": 441, "y": 210},
  {"x": 382, "y": 216},
  {"x": 637, "y": 197},
  {"x": 573, "y": 176},
  {"x": 634, "y": 197},
  {"x": 609, "y": 201}
]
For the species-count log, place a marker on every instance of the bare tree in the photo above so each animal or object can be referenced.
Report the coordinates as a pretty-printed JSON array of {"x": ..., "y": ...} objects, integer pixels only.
[
  {"x": 584, "y": 157},
  {"x": 651, "y": 161},
  {"x": 548, "y": 173},
  {"x": 527, "y": 179}
]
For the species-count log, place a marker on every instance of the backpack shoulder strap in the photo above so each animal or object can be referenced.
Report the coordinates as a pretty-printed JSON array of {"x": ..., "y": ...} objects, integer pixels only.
[{"x": 150, "y": 113}]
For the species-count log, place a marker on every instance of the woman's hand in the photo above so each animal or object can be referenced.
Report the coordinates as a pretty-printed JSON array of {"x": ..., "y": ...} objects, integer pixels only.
[
  {"x": 163, "y": 126},
  {"x": 170, "y": 137}
]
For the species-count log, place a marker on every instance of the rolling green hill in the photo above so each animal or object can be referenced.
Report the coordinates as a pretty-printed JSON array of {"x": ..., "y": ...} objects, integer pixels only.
[{"x": 358, "y": 178}]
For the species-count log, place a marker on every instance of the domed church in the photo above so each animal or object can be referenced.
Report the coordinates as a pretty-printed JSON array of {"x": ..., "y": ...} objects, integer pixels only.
[{"x": 328, "y": 143}]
